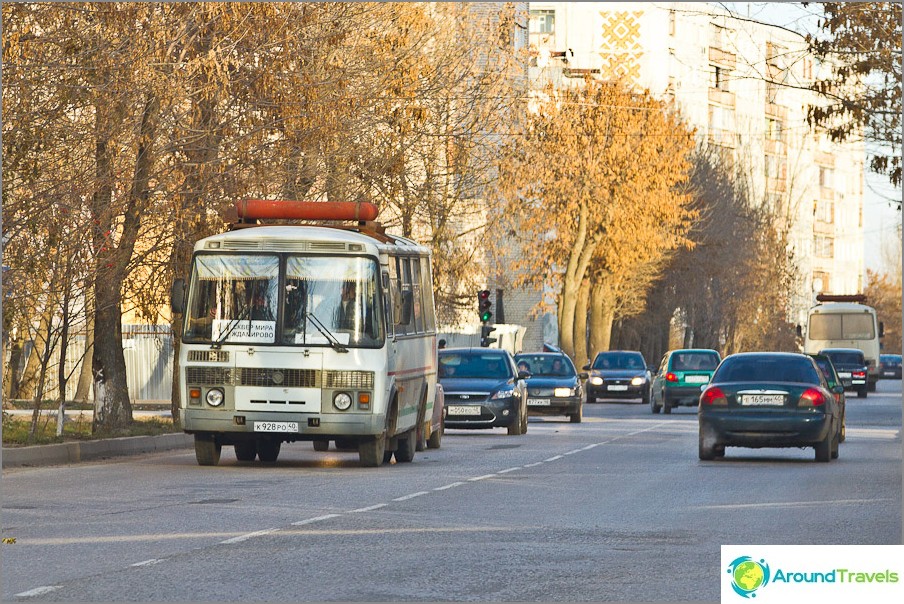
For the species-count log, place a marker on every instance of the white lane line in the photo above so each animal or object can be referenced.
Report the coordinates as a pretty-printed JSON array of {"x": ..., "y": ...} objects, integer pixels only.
[
  {"x": 241, "y": 538},
  {"x": 533, "y": 465},
  {"x": 506, "y": 471},
  {"x": 369, "y": 508},
  {"x": 484, "y": 477},
  {"x": 555, "y": 457},
  {"x": 150, "y": 562},
  {"x": 572, "y": 452},
  {"x": 38, "y": 591},
  {"x": 449, "y": 486},
  {"x": 789, "y": 504},
  {"x": 412, "y": 496},
  {"x": 315, "y": 519}
]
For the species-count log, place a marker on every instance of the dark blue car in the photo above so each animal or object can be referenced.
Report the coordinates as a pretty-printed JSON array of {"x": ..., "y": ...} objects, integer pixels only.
[{"x": 554, "y": 386}]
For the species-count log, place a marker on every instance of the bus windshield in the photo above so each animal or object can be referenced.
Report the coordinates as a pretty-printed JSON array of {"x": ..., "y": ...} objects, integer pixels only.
[
  {"x": 838, "y": 326},
  {"x": 289, "y": 300}
]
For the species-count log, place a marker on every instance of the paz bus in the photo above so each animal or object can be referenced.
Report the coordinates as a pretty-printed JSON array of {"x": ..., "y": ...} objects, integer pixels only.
[
  {"x": 318, "y": 332},
  {"x": 844, "y": 321}
]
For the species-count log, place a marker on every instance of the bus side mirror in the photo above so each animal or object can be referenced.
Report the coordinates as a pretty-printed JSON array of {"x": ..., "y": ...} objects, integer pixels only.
[
  {"x": 881, "y": 329},
  {"x": 177, "y": 296},
  {"x": 800, "y": 331}
]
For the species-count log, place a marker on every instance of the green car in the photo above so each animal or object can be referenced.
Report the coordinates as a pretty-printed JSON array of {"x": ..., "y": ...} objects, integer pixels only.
[{"x": 681, "y": 375}]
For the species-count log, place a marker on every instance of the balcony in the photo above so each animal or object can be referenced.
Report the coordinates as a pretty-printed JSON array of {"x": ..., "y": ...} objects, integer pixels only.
[
  {"x": 824, "y": 159},
  {"x": 722, "y": 58},
  {"x": 722, "y": 97},
  {"x": 774, "y": 147},
  {"x": 777, "y": 185},
  {"x": 826, "y": 194},
  {"x": 777, "y": 111}
]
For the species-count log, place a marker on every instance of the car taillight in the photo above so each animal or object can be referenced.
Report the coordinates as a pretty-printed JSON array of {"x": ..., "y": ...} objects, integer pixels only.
[
  {"x": 812, "y": 398},
  {"x": 671, "y": 377},
  {"x": 859, "y": 374},
  {"x": 713, "y": 396}
]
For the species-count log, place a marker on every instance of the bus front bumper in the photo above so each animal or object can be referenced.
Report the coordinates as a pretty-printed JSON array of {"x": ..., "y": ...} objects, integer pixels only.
[{"x": 239, "y": 425}]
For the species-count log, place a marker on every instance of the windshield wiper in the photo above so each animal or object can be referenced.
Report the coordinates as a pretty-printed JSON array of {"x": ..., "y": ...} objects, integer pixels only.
[
  {"x": 246, "y": 313},
  {"x": 334, "y": 343}
]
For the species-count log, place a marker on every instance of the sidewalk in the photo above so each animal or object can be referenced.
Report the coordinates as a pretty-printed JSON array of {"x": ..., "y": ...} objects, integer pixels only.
[{"x": 88, "y": 450}]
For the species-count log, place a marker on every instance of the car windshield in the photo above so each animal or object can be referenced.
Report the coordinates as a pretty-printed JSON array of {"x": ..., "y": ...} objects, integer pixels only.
[
  {"x": 846, "y": 358},
  {"x": 694, "y": 361},
  {"x": 766, "y": 369},
  {"x": 619, "y": 360},
  {"x": 552, "y": 365},
  {"x": 483, "y": 365},
  {"x": 238, "y": 298}
]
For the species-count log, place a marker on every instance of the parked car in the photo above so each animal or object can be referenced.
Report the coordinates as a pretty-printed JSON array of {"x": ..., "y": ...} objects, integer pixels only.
[
  {"x": 890, "y": 366},
  {"x": 554, "y": 386},
  {"x": 832, "y": 380},
  {"x": 483, "y": 389},
  {"x": 851, "y": 367},
  {"x": 618, "y": 374},
  {"x": 769, "y": 399},
  {"x": 680, "y": 377}
]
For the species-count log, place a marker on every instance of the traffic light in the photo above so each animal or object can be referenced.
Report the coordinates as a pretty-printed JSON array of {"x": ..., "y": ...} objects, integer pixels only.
[
  {"x": 485, "y": 339},
  {"x": 484, "y": 305}
]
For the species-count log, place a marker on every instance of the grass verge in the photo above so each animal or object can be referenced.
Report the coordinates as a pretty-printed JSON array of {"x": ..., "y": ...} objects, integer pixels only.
[{"x": 16, "y": 429}]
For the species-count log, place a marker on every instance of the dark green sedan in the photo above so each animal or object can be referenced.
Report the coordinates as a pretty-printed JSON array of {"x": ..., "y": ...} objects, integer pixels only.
[{"x": 769, "y": 399}]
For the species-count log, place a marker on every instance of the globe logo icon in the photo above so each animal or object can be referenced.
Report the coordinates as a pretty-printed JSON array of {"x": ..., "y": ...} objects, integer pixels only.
[{"x": 748, "y": 575}]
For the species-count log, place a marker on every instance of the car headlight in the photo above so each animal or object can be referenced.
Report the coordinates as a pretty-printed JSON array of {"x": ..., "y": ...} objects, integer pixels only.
[
  {"x": 503, "y": 394},
  {"x": 342, "y": 401},
  {"x": 563, "y": 392},
  {"x": 596, "y": 380},
  {"x": 215, "y": 397},
  {"x": 638, "y": 380}
]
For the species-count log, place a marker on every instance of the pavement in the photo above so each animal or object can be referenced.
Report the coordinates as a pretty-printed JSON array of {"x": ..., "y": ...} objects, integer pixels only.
[{"x": 90, "y": 450}]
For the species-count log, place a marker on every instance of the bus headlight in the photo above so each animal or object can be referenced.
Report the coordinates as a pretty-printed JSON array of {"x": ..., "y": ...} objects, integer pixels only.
[
  {"x": 342, "y": 401},
  {"x": 215, "y": 397}
]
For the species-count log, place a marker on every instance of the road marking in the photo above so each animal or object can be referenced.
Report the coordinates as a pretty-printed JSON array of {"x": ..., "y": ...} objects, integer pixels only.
[
  {"x": 449, "y": 486},
  {"x": 508, "y": 470},
  {"x": 315, "y": 519},
  {"x": 588, "y": 447},
  {"x": 38, "y": 591},
  {"x": 484, "y": 477},
  {"x": 873, "y": 433},
  {"x": 369, "y": 508},
  {"x": 533, "y": 465},
  {"x": 572, "y": 452},
  {"x": 241, "y": 538},
  {"x": 788, "y": 504},
  {"x": 412, "y": 496},
  {"x": 554, "y": 458},
  {"x": 150, "y": 562}
]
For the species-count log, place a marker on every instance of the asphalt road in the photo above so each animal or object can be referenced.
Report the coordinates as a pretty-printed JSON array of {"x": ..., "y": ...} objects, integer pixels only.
[{"x": 616, "y": 508}]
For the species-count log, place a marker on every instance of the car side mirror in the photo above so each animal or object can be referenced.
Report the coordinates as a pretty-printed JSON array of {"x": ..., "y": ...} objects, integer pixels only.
[
  {"x": 586, "y": 367},
  {"x": 799, "y": 331},
  {"x": 583, "y": 375},
  {"x": 523, "y": 375},
  {"x": 177, "y": 296},
  {"x": 838, "y": 389},
  {"x": 881, "y": 329}
]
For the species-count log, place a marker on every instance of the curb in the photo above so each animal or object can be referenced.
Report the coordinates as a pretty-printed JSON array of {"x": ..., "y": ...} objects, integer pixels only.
[{"x": 79, "y": 451}]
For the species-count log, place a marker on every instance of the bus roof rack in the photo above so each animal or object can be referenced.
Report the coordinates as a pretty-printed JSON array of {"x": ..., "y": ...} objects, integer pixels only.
[{"x": 858, "y": 298}]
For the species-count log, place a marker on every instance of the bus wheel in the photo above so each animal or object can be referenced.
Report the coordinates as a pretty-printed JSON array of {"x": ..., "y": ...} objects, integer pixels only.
[
  {"x": 370, "y": 452},
  {"x": 246, "y": 451},
  {"x": 407, "y": 446},
  {"x": 268, "y": 450},
  {"x": 207, "y": 450},
  {"x": 321, "y": 445}
]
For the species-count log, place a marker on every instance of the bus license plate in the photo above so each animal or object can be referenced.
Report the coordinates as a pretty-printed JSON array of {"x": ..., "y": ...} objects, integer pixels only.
[
  {"x": 463, "y": 410},
  {"x": 538, "y": 402},
  {"x": 276, "y": 426}
]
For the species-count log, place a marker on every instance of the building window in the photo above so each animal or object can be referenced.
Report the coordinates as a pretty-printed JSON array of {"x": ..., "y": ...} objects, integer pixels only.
[
  {"x": 718, "y": 77},
  {"x": 715, "y": 35},
  {"x": 825, "y": 176},
  {"x": 721, "y": 120},
  {"x": 776, "y": 167},
  {"x": 773, "y": 129},
  {"x": 825, "y": 211},
  {"x": 542, "y": 21},
  {"x": 821, "y": 282},
  {"x": 825, "y": 246},
  {"x": 671, "y": 23}
]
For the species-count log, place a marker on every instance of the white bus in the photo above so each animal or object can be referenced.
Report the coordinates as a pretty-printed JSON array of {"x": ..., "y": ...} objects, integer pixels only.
[
  {"x": 844, "y": 322},
  {"x": 308, "y": 333}
]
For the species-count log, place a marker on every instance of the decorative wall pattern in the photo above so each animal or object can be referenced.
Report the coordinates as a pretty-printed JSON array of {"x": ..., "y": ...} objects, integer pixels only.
[{"x": 620, "y": 48}]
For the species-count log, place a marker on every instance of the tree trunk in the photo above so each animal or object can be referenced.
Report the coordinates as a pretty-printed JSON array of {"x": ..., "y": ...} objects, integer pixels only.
[
  {"x": 602, "y": 314},
  {"x": 29, "y": 386},
  {"x": 580, "y": 325},
  {"x": 85, "y": 378},
  {"x": 112, "y": 408},
  {"x": 575, "y": 270},
  {"x": 11, "y": 376}
]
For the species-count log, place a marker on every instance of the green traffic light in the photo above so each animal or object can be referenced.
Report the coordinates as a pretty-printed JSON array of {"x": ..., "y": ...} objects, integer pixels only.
[{"x": 485, "y": 316}]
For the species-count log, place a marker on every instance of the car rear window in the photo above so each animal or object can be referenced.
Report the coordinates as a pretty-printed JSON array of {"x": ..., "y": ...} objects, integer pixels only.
[
  {"x": 694, "y": 361},
  {"x": 619, "y": 360},
  {"x": 546, "y": 364},
  {"x": 846, "y": 358},
  {"x": 766, "y": 369},
  {"x": 474, "y": 365}
]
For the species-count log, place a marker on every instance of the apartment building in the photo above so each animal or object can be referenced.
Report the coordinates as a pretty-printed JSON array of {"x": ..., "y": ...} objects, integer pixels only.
[{"x": 743, "y": 86}]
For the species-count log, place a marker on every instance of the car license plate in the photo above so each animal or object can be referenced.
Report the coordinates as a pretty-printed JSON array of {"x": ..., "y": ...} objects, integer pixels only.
[
  {"x": 889, "y": 373},
  {"x": 463, "y": 410},
  {"x": 617, "y": 388},
  {"x": 762, "y": 399},
  {"x": 696, "y": 379},
  {"x": 276, "y": 426},
  {"x": 844, "y": 374},
  {"x": 538, "y": 402}
]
